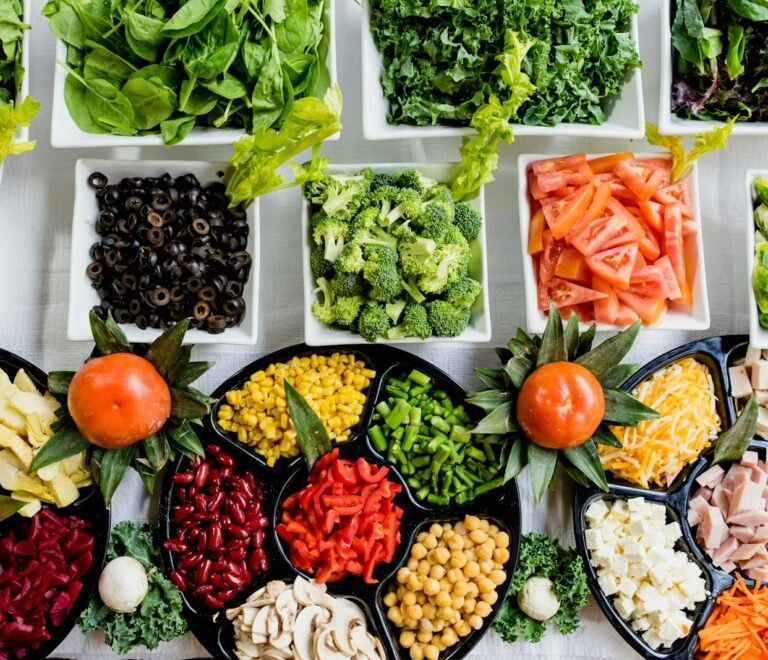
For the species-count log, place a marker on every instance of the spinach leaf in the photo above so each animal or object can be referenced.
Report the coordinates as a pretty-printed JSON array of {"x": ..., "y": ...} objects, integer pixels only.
[
  {"x": 192, "y": 17},
  {"x": 144, "y": 35},
  {"x": 754, "y": 10},
  {"x": 74, "y": 98},
  {"x": 175, "y": 130},
  {"x": 151, "y": 104},
  {"x": 102, "y": 63},
  {"x": 734, "y": 60}
]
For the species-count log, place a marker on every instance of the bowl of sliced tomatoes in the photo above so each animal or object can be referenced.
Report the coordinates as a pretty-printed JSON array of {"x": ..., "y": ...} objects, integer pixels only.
[{"x": 613, "y": 239}]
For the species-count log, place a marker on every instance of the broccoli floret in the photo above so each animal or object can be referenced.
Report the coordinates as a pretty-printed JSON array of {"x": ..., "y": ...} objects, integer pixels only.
[
  {"x": 434, "y": 222},
  {"x": 331, "y": 233},
  {"x": 382, "y": 200},
  {"x": 347, "y": 309},
  {"x": 380, "y": 181},
  {"x": 446, "y": 265},
  {"x": 318, "y": 215},
  {"x": 414, "y": 254},
  {"x": 441, "y": 197},
  {"x": 407, "y": 205},
  {"x": 467, "y": 221},
  {"x": 319, "y": 265},
  {"x": 403, "y": 231},
  {"x": 412, "y": 290},
  {"x": 342, "y": 195},
  {"x": 463, "y": 292},
  {"x": 351, "y": 259},
  {"x": 395, "y": 308},
  {"x": 348, "y": 284},
  {"x": 415, "y": 180},
  {"x": 381, "y": 272},
  {"x": 415, "y": 324},
  {"x": 447, "y": 320},
  {"x": 373, "y": 321},
  {"x": 374, "y": 237},
  {"x": 323, "y": 309}
]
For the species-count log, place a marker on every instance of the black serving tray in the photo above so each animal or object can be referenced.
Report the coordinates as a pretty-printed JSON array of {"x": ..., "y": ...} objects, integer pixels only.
[
  {"x": 89, "y": 506},
  {"x": 501, "y": 506},
  {"x": 717, "y": 353}
]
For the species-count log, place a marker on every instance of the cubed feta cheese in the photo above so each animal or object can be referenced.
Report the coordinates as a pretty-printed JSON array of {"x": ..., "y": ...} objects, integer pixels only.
[
  {"x": 607, "y": 585},
  {"x": 596, "y": 511},
  {"x": 593, "y": 538},
  {"x": 625, "y": 607},
  {"x": 634, "y": 553},
  {"x": 627, "y": 587},
  {"x": 672, "y": 532}
]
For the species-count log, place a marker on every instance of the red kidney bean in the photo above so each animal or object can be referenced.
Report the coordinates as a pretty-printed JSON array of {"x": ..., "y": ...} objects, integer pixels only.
[
  {"x": 218, "y": 582},
  {"x": 254, "y": 561},
  {"x": 234, "y": 580},
  {"x": 183, "y": 478},
  {"x": 216, "y": 501},
  {"x": 201, "y": 503},
  {"x": 190, "y": 560},
  {"x": 212, "y": 449},
  {"x": 236, "y": 531},
  {"x": 213, "y": 603},
  {"x": 226, "y": 473},
  {"x": 202, "y": 516},
  {"x": 203, "y": 571},
  {"x": 191, "y": 492},
  {"x": 202, "y": 542},
  {"x": 219, "y": 565},
  {"x": 179, "y": 580},
  {"x": 181, "y": 495},
  {"x": 178, "y": 513},
  {"x": 225, "y": 460},
  {"x": 226, "y": 595},
  {"x": 258, "y": 538},
  {"x": 238, "y": 554},
  {"x": 215, "y": 537},
  {"x": 264, "y": 564},
  {"x": 237, "y": 513},
  {"x": 237, "y": 496},
  {"x": 174, "y": 545},
  {"x": 203, "y": 590}
]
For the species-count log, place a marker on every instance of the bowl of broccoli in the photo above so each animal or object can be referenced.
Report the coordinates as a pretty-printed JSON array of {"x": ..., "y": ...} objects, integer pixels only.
[{"x": 391, "y": 257}]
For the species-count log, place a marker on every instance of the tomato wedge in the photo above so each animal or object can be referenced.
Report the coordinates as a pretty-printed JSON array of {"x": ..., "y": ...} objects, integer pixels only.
[
  {"x": 607, "y": 232},
  {"x": 648, "y": 281},
  {"x": 672, "y": 287},
  {"x": 571, "y": 265},
  {"x": 673, "y": 242},
  {"x": 649, "y": 244},
  {"x": 649, "y": 309},
  {"x": 536, "y": 233},
  {"x": 564, "y": 294},
  {"x": 596, "y": 207},
  {"x": 624, "y": 316},
  {"x": 552, "y": 248},
  {"x": 606, "y": 308},
  {"x": 603, "y": 164},
  {"x": 583, "y": 312},
  {"x": 636, "y": 178},
  {"x": 677, "y": 192},
  {"x": 651, "y": 213},
  {"x": 562, "y": 214},
  {"x": 615, "y": 265},
  {"x": 554, "y": 173}
]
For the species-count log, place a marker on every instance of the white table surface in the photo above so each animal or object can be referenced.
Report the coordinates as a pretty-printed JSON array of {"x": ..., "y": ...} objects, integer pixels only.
[{"x": 35, "y": 220}]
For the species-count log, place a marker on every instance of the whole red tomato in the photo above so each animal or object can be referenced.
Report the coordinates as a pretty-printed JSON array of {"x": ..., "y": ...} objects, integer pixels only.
[
  {"x": 118, "y": 399},
  {"x": 560, "y": 405}
]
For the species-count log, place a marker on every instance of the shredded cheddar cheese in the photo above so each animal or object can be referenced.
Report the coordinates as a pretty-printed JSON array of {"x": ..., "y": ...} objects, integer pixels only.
[{"x": 656, "y": 451}]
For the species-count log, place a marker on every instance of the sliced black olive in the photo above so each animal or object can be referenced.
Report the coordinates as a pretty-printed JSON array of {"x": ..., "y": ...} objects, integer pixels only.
[
  {"x": 240, "y": 260},
  {"x": 141, "y": 321},
  {"x": 161, "y": 201},
  {"x": 207, "y": 294},
  {"x": 112, "y": 195},
  {"x": 110, "y": 257},
  {"x": 201, "y": 310},
  {"x": 194, "y": 284},
  {"x": 177, "y": 294},
  {"x": 155, "y": 236},
  {"x": 237, "y": 213},
  {"x": 134, "y": 306},
  {"x": 200, "y": 227},
  {"x": 234, "y": 306},
  {"x": 133, "y": 203},
  {"x": 97, "y": 180},
  {"x": 122, "y": 315},
  {"x": 94, "y": 270},
  {"x": 216, "y": 323},
  {"x": 160, "y": 297},
  {"x": 234, "y": 288}
]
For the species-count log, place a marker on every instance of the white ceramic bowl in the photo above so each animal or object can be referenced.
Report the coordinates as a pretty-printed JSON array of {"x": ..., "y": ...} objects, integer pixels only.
[
  {"x": 677, "y": 317},
  {"x": 23, "y": 134},
  {"x": 317, "y": 333},
  {"x": 758, "y": 336},
  {"x": 627, "y": 119},
  {"x": 83, "y": 297},
  {"x": 670, "y": 123},
  {"x": 66, "y": 134}
]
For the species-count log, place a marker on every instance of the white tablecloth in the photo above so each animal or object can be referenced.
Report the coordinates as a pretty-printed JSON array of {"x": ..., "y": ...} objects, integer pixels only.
[{"x": 35, "y": 222}]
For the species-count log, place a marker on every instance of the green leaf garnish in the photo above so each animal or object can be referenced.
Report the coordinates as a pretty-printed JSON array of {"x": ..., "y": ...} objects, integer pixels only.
[
  {"x": 541, "y": 466},
  {"x": 311, "y": 434},
  {"x": 586, "y": 460},
  {"x": 9, "y": 506},
  {"x": 114, "y": 464},
  {"x": 732, "y": 444},
  {"x": 499, "y": 420},
  {"x": 552, "y": 341},
  {"x": 163, "y": 352},
  {"x": 65, "y": 442},
  {"x": 622, "y": 409},
  {"x": 617, "y": 376},
  {"x": 607, "y": 355}
]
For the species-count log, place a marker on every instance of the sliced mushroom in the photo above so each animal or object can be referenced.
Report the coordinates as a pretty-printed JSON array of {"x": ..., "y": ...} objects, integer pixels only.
[
  {"x": 259, "y": 632},
  {"x": 308, "y": 593},
  {"x": 304, "y": 630},
  {"x": 287, "y": 608},
  {"x": 275, "y": 588},
  {"x": 364, "y": 643},
  {"x": 326, "y": 649}
]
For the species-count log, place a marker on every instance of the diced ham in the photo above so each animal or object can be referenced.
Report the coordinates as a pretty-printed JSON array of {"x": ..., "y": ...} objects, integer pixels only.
[
  {"x": 761, "y": 535},
  {"x": 703, "y": 491},
  {"x": 744, "y": 534},
  {"x": 741, "y": 387},
  {"x": 760, "y": 477},
  {"x": 727, "y": 551},
  {"x": 728, "y": 567},
  {"x": 749, "y": 458},
  {"x": 713, "y": 530},
  {"x": 746, "y": 551},
  {"x": 699, "y": 505},
  {"x": 762, "y": 397},
  {"x": 749, "y": 518},
  {"x": 736, "y": 475},
  {"x": 712, "y": 477},
  {"x": 760, "y": 574},
  {"x": 754, "y": 562},
  {"x": 752, "y": 356},
  {"x": 693, "y": 517},
  {"x": 746, "y": 496},
  {"x": 721, "y": 498},
  {"x": 760, "y": 375}
]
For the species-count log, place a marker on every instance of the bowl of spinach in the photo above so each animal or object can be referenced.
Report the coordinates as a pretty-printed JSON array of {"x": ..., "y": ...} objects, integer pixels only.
[
  {"x": 428, "y": 67},
  {"x": 203, "y": 72},
  {"x": 713, "y": 66}
]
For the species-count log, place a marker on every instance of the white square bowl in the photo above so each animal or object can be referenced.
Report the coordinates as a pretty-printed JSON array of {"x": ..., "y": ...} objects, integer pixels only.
[
  {"x": 677, "y": 317},
  {"x": 627, "y": 119},
  {"x": 66, "y": 134},
  {"x": 317, "y": 333},
  {"x": 23, "y": 133},
  {"x": 758, "y": 336},
  {"x": 83, "y": 297},
  {"x": 669, "y": 122}
]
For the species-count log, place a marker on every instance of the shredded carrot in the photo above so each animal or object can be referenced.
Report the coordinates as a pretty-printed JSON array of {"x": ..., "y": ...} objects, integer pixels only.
[{"x": 737, "y": 628}]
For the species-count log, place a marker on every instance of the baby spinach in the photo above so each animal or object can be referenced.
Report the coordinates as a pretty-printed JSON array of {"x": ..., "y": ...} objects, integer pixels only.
[{"x": 166, "y": 66}]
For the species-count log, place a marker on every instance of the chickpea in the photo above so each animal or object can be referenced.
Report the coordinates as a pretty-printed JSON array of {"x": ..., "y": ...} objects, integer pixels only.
[
  {"x": 443, "y": 599},
  {"x": 470, "y": 604},
  {"x": 501, "y": 555},
  {"x": 457, "y": 602},
  {"x": 476, "y": 622},
  {"x": 456, "y": 542},
  {"x": 486, "y": 566},
  {"x": 421, "y": 536},
  {"x": 424, "y": 636},
  {"x": 462, "y": 628},
  {"x": 437, "y": 572},
  {"x": 416, "y": 652},
  {"x": 412, "y": 564},
  {"x": 482, "y": 609},
  {"x": 493, "y": 530},
  {"x": 485, "y": 585},
  {"x": 485, "y": 524},
  {"x": 458, "y": 559},
  {"x": 471, "y": 523},
  {"x": 414, "y": 582},
  {"x": 413, "y": 612},
  {"x": 449, "y": 636},
  {"x": 460, "y": 589},
  {"x": 484, "y": 552},
  {"x": 437, "y": 625},
  {"x": 395, "y": 616},
  {"x": 402, "y": 574},
  {"x": 478, "y": 536},
  {"x": 410, "y": 624},
  {"x": 431, "y": 586},
  {"x": 454, "y": 575},
  {"x": 490, "y": 598},
  {"x": 436, "y": 530},
  {"x": 448, "y": 532},
  {"x": 409, "y": 598},
  {"x": 421, "y": 598},
  {"x": 430, "y": 542},
  {"x": 431, "y": 652},
  {"x": 429, "y": 611},
  {"x": 445, "y": 613},
  {"x": 418, "y": 551},
  {"x": 471, "y": 554},
  {"x": 460, "y": 528},
  {"x": 439, "y": 555},
  {"x": 472, "y": 569},
  {"x": 498, "y": 576},
  {"x": 437, "y": 641},
  {"x": 445, "y": 585},
  {"x": 474, "y": 592},
  {"x": 390, "y": 599},
  {"x": 502, "y": 540},
  {"x": 427, "y": 625},
  {"x": 423, "y": 567}
]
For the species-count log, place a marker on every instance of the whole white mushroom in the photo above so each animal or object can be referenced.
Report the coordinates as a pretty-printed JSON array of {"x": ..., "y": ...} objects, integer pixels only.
[
  {"x": 537, "y": 599},
  {"x": 123, "y": 584}
]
